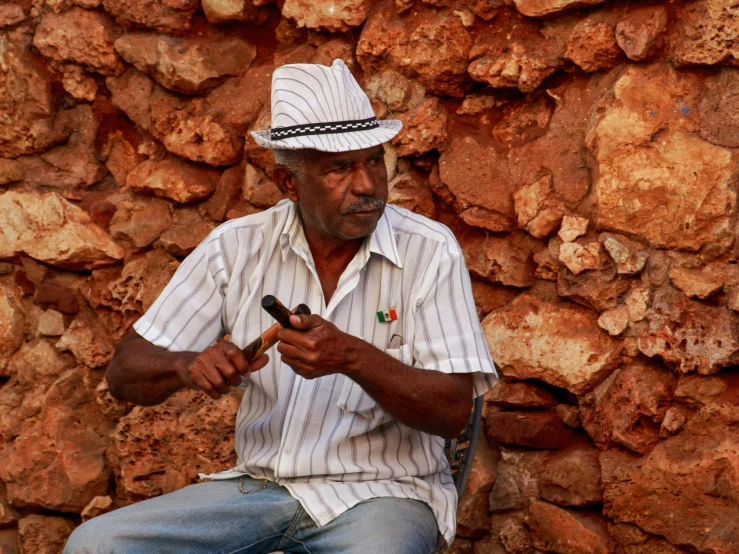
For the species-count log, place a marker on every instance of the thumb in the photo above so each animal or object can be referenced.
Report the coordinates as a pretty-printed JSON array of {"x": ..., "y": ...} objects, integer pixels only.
[{"x": 304, "y": 322}]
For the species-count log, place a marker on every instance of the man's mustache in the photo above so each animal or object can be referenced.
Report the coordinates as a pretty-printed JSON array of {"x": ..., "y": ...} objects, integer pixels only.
[{"x": 365, "y": 204}]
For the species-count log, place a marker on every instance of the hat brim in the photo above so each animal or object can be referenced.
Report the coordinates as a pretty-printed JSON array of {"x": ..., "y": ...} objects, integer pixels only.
[{"x": 334, "y": 142}]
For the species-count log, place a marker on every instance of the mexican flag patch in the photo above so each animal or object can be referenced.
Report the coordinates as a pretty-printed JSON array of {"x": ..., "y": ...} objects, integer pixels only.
[{"x": 386, "y": 316}]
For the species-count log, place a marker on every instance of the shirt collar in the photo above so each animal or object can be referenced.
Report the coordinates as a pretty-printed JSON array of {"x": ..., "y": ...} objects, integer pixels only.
[{"x": 382, "y": 240}]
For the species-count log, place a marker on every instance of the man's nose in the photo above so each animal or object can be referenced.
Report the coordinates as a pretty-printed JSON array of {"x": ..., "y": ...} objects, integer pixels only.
[{"x": 363, "y": 184}]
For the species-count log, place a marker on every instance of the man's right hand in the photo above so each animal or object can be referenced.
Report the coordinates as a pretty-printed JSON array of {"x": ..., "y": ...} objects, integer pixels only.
[{"x": 218, "y": 368}]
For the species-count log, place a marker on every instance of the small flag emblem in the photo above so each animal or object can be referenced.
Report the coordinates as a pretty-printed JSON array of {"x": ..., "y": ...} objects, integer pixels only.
[{"x": 385, "y": 316}]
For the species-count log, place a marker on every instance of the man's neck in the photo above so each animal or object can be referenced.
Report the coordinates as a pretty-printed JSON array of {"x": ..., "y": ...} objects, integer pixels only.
[{"x": 331, "y": 256}]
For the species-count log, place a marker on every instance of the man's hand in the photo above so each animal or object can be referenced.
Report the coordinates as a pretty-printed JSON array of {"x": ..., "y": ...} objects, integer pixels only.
[
  {"x": 217, "y": 369},
  {"x": 317, "y": 347}
]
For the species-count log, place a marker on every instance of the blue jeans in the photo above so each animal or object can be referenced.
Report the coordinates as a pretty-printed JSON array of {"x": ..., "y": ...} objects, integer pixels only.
[{"x": 216, "y": 518}]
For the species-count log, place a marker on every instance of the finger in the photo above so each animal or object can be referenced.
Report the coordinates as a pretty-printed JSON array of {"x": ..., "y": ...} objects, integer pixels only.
[
  {"x": 200, "y": 382},
  {"x": 305, "y": 322},
  {"x": 235, "y": 355},
  {"x": 223, "y": 365},
  {"x": 288, "y": 350},
  {"x": 214, "y": 376},
  {"x": 258, "y": 363}
]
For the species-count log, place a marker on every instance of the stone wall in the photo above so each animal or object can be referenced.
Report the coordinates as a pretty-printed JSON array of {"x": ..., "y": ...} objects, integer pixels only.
[{"x": 583, "y": 151}]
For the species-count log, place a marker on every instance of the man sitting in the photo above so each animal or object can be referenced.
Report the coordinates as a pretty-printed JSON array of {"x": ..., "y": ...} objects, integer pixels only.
[{"x": 340, "y": 430}]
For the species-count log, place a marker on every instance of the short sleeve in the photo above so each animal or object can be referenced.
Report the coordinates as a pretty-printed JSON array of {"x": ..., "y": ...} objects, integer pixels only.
[
  {"x": 448, "y": 335},
  {"x": 187, "y": 314}
]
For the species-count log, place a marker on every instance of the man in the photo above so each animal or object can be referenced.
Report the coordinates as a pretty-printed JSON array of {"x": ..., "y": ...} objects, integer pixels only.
[{"x": 339, "y": 433}]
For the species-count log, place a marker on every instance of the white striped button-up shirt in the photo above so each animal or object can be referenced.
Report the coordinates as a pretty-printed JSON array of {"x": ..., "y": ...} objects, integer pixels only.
[{"x": 326, "y": 440}]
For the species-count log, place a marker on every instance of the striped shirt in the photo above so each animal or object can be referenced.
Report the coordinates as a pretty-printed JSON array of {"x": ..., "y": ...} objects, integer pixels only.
[{"x": 326, "y": 440}]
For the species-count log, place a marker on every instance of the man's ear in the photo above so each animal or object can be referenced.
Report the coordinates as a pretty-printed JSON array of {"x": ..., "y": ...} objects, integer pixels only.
[{"x": 285, "y": 181}]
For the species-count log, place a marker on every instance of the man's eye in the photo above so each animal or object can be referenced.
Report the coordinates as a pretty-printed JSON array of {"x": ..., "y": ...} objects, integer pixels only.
[{"x": 377, "y": 160}]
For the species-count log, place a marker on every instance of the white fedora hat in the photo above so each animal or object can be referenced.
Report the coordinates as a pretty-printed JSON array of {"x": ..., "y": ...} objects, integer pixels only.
[{"x": 324, "y": 108}]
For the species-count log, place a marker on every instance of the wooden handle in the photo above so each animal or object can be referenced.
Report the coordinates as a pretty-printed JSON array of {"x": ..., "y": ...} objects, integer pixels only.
[{"x": 268, "y": 339}]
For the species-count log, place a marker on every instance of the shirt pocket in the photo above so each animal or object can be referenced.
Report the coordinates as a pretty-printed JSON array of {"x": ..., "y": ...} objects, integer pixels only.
[{"x": 353, "y": 398}]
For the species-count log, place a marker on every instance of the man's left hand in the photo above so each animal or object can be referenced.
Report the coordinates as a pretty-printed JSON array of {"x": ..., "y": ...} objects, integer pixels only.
[{"x": 316, "y": 347}]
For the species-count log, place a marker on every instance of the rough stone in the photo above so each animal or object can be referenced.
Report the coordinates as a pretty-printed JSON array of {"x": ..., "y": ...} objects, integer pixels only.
[
  {"x": 573, "y": 227},
  {"x": 131, "y": 93},
  {"x": 569, "y": 415},
  {"x": 687, "y": 335},
  {"x": 515, "y": 536},
  {"x": 559, "y": 344},
  {"x": 394, "y": 90},
  {"x": 674, "y": 420},
  {"x": 578, "y": 258},
  {"x": 75, "y": 159},
  {"x": 9, "y": 541},
  {"x": 472, "y": 509},
  {"x": 719, "y": 108},
  {"x": 477, "y": 177},
  {"x": 506, "y": 260},
  {"x": 556, "y": 530},
  {"x": 10, "y": 14},
  {"x": 11, "y": 323},
  {"x": 223, "y": 11},
  {"x": 237, "y": 110},
  {"x": 675, "y": 191},
  {"x": 43, "y": 534},
  {"x": 163, "y": 15},
  {"x": 627, "y": 409},
  {"x": 188, "y": 230},
  {"x": 532, "y": 429},
  {"x": 424, "y": 129},
  {"x": 162, "y": 448},
  {"x": 172, "y": 178},
  {"x": 432, "y": 48},
  {"x": 640, "y": 33},
  {"x": 683, "y": 489},
  {"x": 258, "y": 189},
  {"x": 516, "y": 67},
  {"x": 82, "y": 37},
  {"x": 518, "y": 478},
  {"x": 228, "y": 193},
  {"x": 330, "y": 16},
  {"x": 519, "y": 394},
  {"x": 630, "y": 256},
  {"x": 598, "y": 290},
  {"x": 593, "y": 47},
  {"x": 572, "y": 478},
  {"x": 51, "y": 324},
  {"x": 696, "y": 390},
  {"x": 614, "y": 321},
  {"x": 50, "y": 229},
  {"x": 97, "y": 506},
  {"x": 77, "y": 83},
  {"x": 55, "y": 295},
  {"x": 410, "y": 191},
  {"x": 537, "y": 210},
  {"x": 10, "y": 171},
  {"x": 699, "y": 282},
  {"x": 541, "y": 8},
  {"x": 706, "y": 34},
  {"x": 140, "y": 220},
  {"x": 186, "y": 65},
  {"x": 88, "y": 340}
]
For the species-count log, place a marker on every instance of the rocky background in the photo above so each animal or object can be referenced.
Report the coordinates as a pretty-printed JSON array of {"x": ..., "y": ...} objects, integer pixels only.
[{"x": 583, "y": 151}]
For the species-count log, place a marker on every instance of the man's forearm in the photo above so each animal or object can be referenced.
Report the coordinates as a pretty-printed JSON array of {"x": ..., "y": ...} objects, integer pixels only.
[
  {"x": 145, "y": 374},
  {"x": 431, "y": 401}
]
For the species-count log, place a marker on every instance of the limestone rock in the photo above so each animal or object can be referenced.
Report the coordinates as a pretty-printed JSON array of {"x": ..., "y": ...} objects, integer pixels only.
[
  {"x": 531, "y": 428},
  {"x": 9, "y": 541},
  {"x": 628, "y": 409},
  {"x": 519, "y": 394},
  {"x": 572, "y": 478},
  {"x": 699, "y": 282},
  {"x": 77, "y": 83},
  {"x": 88, "y": 340},
  {"x": 515, "y": 536},
  {"x": 76, "y": 159},
  {"x": 51, "y": 324},
  {"x": 593, "y": 47},
  {"x": 687, "y": 335},
  {"x": 614, "y": 321},
  {"x": 640, "y": 33},
  {"x": 163, "y": 15},
  {"x": 707, "y": 31},
  {"x": 674, "y": 420},
  {"x": 11, "y": 324},
  {"x": 162, "y": 448},
  {"x": 681, "y": 193},
  {"x": 489, "y": 297},
  {"x": 258, "y": 189},
  {"x": 598, "y": 290},
  {"x": 10, "y": 14},
  {"x": 697, "y": 390},
  {"x": 25, "y": 93},
  {"x": 559, "y": 344},
  {"x": 50, "y": 229},
  {"x": 681, "y": 490},
  {"x": 223, "y": 11},
  {"x": 140, "y": 220},
  {"x": 556, "y": 530},
  {"x": 394, "y": 90},
  {"x": 79, "y": 36},
  {"x": 43, "y": 534},
  {"x": 537, "y": 210},
  {"x": 569, "y": 415},
  {"x": 97, "y": 506},
  {"x": 330, "y": 16},
  {"x": 54, "y": 295},
  {"x": 237, "y": 110},
  {"x": 578, "y": 258},
  {"x": 186, "y": 65},
  {"x": 505, "y": 260},
  {"x": 477, "y": 177},
  {"x": 540, "y": 8},
  {"x": 516, "y": 67},
  {"x": 188, "y": 230},
  {"x": 131, "y": 93},
  {"x": 518, "y": 478},
  {"x": 58, "y": 463},
  {"x": 573, "y": 227},
  {"x": 424, "y": 129},
  {"x": 228, "y": 193},
  {"x": 410, "y": 191},
  {"x": 432, "y": 48},
  {"x": 10, "y": 171},
  {"x": 719, "y": 109},
  {"x": 629, "y": 256},
  {"x": 171, "y": 178},
  {"x": 472, "y": 509}
]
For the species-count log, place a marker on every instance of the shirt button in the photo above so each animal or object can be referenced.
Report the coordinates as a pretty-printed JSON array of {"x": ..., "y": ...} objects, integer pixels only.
[{"x": 288, "y": 450}]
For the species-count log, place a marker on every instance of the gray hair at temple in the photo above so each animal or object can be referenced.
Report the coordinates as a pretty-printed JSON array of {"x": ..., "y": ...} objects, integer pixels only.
[{"x": 294, "y": 160}]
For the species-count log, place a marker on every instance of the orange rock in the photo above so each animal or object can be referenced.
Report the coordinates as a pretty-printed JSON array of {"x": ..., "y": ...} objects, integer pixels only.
[
  {"x": 578, "y": 258},
  {"x": 172, "y": 178},
  {"x": 217, "y": 11},
  {"x": 593, "y": 46},
  {"x": 572, "y": 478},
  {"x": 258, "y": 189},
  {"x": 519, "y": 394},
  {"x": 228, "y": 192},
  {"x": 162, "y": 15},
  {"x": 639, "y": 34},
  {"x": 88, "y": 339},
  {"x": 472, "y": 509},
  {"x": 97, "y": 506},
  {"x": 539, "y": 8},
  {"x": 11, "y": 324},
  {"x": 506, "y": 260},
  {"x": 719, "y": 109},
  {"x": 140, "y": 220},
  {"x": 532, "y": 429},
  {"x": 9, "y": 541},
  {"x": 536, "y": 209},
  {"x": 699, "y": 282},
  {"x": 329, "y": 16},
  {"x": 43, "y": 534},
  {"x": 410, "y": 191},
  {"x": 424, "y": 129},
  {"x": 188, "y": 230},
  {"x": 395, "y": 91},
  {"x": 568, "y": 532},
  {"x": 706, "y": 31}
]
